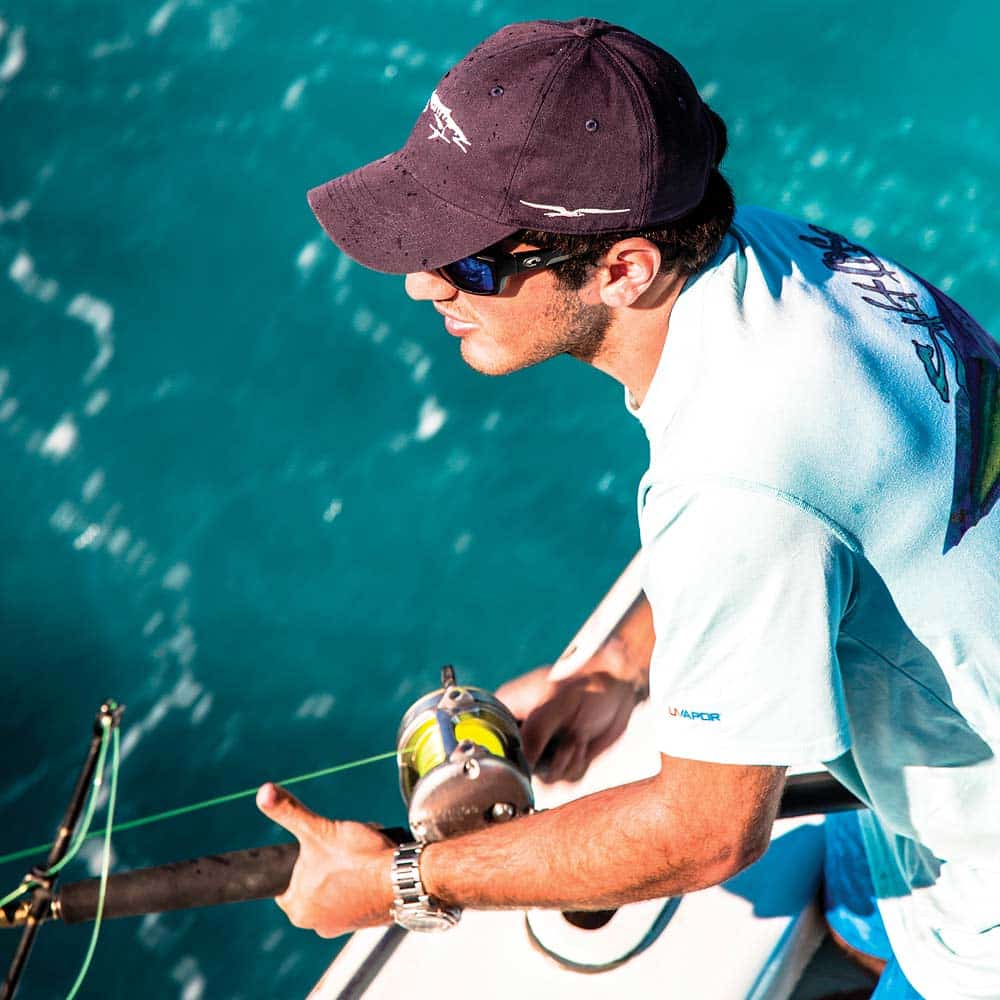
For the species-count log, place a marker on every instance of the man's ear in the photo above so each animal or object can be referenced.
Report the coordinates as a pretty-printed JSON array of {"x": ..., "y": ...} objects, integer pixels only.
[{"x": 629, "y": 268}]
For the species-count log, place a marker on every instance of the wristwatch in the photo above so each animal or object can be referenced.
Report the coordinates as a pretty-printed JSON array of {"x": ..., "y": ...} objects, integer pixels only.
[{"x": 412, "y": 908}]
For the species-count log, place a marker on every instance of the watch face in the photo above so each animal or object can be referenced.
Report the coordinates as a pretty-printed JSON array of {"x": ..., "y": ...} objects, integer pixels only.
[{"x": 426, "y": 920}]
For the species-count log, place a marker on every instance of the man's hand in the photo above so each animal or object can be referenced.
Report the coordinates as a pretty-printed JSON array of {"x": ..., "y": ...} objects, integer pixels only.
[
  {"x": 567, "y": 723},
  {"x": 341, "y": 880}
]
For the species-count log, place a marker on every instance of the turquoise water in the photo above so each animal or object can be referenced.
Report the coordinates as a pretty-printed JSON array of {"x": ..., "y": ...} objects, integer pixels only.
[{"x": 251, "y": 491}]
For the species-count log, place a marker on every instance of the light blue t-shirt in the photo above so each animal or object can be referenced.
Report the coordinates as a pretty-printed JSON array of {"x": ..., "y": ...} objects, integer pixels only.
[{"x": 822, "y": 555}]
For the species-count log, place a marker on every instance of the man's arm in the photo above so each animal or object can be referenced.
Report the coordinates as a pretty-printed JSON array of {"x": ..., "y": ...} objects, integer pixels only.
[{"x": 692, "y": 825}]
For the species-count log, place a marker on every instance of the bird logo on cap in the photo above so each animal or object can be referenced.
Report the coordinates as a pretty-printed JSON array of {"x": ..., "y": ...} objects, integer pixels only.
[{"x": 559, "y": 212}]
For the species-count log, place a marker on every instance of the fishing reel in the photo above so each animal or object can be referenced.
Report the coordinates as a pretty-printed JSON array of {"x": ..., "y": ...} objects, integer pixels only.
[{"x": 461, "y": 765}]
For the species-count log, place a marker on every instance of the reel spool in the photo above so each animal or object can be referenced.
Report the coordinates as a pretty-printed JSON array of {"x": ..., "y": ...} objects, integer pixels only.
[{"x": 461, "y": 766}]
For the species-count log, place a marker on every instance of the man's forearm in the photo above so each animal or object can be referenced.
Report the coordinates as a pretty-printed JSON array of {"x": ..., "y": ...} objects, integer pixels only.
[{"x": 616, "y": 846}]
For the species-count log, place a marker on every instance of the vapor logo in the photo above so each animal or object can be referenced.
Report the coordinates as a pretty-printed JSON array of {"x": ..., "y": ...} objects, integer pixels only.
[
  {"x": 444, "y": 126},
  {"x": 683, "y": 713}
]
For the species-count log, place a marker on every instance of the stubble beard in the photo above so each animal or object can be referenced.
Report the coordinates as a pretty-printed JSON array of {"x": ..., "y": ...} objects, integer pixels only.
[{"x": 577, "y": 329}]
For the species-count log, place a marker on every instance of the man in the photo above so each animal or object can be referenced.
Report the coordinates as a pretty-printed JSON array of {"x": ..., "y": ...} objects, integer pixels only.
[{"x": 819, "y": 517}]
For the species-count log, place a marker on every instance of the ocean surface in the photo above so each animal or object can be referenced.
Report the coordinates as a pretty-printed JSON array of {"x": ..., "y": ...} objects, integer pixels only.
[{"x": 252, "y": 491}]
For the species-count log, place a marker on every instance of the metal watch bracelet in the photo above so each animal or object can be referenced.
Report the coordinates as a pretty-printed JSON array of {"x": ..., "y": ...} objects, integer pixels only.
[{"x": 412, "y": 908}]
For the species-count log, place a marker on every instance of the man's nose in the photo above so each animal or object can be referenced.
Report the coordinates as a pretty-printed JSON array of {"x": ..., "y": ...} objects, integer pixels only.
[{"x": 428, "y": 286}]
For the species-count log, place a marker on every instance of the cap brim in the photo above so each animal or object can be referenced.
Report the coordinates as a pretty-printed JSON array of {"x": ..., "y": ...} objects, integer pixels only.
[{"x": 383, "y": 218}]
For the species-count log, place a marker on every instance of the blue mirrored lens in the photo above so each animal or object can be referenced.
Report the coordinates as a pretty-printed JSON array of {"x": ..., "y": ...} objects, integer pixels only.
[{"x": 471, "y": 275}]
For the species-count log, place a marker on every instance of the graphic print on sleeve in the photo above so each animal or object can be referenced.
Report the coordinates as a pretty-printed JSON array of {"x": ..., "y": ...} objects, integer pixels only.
[{"x": 976, "y": 357}]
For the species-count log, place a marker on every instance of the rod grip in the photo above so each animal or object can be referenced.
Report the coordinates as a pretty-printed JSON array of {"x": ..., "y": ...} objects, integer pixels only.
[
  {"x": 817, "y": 792},
  {"x": 255, "y": 873}
]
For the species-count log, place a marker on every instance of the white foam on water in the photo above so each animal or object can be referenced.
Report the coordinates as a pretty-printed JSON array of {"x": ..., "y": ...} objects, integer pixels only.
[
  {"x": 4, "y": 380},
  {"x": 332, "y": 512},
  {"x": 64, "y": 518},
  {"x": 90, "y": 537},
  {"x": 16, "y": 212},
  {"x": 99, "y": 316},
  {"x": 201, "y": 709},
  {"x": 272, "y": 940},
  {"x": 152, "y": 623},
  {"x": 344, "y": 264},
  {"x": 96, "y": 402},
  {"x": 458, "y": 461},
  {"x": 308, "y": 255},
  {"x": 162, "y": 17},
  {"x": 415, "y": 358},
  {"x": 222, "y": 25},
  {"x": 17, "y": 52},
  {"x": 294, "y": 94},
  {"x": 92, "y": 485},
  {"x": 61, "y": 440},
  {"x": 363, "y": 319},
  {"x": 709, "y": 90},
  {"x": 16, "y": 789},
  {"x": 288, "y": 965},
  {"x": 119, "y": 541},
  {"x": 316, "y": 706},
  {"x": 462, "y": 543},
  {"x": 491, "y": 420},
  {"x": 151, "y": 931},
  {"x": 431, "y": 419},
  {"x": 177, "y": 577},
  {"x": 101, "y": 50},
  {"x": 22, "y": 273},
  {"x": 184, "y": 647},
  {"x": 188, "y": 975},
  {"x": 819, "y": 158},
  {"x": 862, "y": 227},
  {"x": 605, "y": 483},
  {"x": 183, "y": 696}
]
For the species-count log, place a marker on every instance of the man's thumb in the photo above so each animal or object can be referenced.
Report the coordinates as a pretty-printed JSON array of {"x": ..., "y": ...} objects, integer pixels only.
[{"x": 285, "y": 809}]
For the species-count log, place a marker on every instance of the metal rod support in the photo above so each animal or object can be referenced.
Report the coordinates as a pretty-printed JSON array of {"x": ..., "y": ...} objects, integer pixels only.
[{"x": 108, "y": 716}]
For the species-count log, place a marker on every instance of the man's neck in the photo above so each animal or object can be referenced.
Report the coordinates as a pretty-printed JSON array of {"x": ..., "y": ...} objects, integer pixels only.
[{"x": 634, "y": 342}]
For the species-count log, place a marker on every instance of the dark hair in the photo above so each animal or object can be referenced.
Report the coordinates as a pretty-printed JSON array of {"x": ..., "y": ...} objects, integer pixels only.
[{"x": 686, "y": 245}]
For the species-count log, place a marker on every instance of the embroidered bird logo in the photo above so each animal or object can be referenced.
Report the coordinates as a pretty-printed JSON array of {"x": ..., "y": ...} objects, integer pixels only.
[{"x": 560, "y": 212}]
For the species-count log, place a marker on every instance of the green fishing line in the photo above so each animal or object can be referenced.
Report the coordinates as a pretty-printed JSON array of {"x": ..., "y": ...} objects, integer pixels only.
[
  {"x": 208, "y": 803},
  {"x": 105, "y": 867}
]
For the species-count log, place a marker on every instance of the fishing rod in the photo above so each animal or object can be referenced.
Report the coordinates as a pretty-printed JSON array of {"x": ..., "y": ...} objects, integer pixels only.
[
  {"x": 461, "y": 768},
  {"x": 265, "y": 872}
]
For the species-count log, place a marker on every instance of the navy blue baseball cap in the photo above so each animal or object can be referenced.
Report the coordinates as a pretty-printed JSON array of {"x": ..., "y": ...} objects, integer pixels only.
[{"x": 564, "y": 126}]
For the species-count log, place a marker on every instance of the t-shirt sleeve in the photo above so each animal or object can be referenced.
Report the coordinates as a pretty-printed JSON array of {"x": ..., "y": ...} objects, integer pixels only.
[{"x": 747, "y": 590}]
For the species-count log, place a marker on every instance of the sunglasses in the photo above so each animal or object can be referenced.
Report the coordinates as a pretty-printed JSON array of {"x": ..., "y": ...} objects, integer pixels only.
[{"x": 487, "y": 273}]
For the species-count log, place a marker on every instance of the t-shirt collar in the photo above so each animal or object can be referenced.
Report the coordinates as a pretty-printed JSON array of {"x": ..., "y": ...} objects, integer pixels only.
[{"x": 667, "y": 385}]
